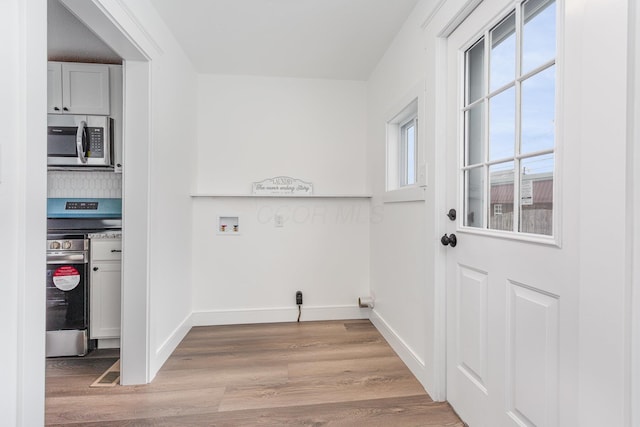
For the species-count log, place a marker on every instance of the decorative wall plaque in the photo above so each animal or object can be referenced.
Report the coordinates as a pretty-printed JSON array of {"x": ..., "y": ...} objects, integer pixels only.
[{"x": 283, "y": 185}]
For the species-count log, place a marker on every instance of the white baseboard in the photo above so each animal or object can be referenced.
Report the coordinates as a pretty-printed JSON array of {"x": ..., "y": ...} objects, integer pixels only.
[
  {"x": 277, "y": 315},
  {"x": 169, "y": 345},
  {"x": 415, "y": 364}
]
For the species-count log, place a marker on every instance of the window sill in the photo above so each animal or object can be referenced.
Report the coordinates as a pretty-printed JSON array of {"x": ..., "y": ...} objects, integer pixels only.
[{"x": 409, "y": 194}]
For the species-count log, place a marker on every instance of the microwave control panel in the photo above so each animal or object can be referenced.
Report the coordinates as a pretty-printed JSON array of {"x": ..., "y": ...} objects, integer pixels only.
[{"x": 96, "y": 142}]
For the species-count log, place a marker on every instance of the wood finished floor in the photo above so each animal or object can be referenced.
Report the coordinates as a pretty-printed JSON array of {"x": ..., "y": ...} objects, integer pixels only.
[{"x": 339, "y": 373}]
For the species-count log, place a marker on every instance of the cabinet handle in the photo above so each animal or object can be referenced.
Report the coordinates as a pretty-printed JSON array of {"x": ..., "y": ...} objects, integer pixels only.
[
  {"x": 116, "y": 250},
  {"x": 56, "y": 109},
  {"x": 65, "y": 108},
  {"x": 95, "y": 268}
]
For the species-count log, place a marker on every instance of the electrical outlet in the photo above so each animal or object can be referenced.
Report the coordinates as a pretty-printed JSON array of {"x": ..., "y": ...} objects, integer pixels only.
[
  {"x": 299, "y": 297},
  {"x": 278, "y": 220}
]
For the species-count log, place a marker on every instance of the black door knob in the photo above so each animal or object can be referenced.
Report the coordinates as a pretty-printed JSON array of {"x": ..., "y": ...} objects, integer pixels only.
[
  {"x": 95, "y": 268},
  {"x": 450, "y": 240},
  {"x": 452, "y": 214}
]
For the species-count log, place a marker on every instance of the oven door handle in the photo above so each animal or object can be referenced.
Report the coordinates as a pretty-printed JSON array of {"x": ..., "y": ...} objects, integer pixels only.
[
  {"x": 81, "y": 141},
  {"x": 67, "y": 258}
]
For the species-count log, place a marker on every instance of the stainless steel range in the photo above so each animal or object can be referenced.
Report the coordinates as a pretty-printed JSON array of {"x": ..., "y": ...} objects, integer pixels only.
[{"x": 69, "y": 222}]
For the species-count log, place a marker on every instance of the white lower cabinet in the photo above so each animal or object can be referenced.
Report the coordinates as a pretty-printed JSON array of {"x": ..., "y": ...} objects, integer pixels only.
[{"x": 105, "y": 288}]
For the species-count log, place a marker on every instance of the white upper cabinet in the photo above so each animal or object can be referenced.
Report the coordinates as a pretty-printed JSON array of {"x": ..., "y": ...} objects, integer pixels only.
[
  {"x": 75, "y": 88},
  {"x": 54, "y": 88}
]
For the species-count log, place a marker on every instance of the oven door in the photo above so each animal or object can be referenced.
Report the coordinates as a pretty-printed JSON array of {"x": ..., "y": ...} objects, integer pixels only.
[{"x": 66, "y": 282}]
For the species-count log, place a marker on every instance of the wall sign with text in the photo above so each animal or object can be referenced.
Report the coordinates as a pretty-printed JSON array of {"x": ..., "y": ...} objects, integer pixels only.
[{"x": 282, "y": 185}]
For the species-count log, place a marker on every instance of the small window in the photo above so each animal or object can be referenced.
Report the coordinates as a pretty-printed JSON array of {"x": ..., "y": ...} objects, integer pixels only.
[
  {"x": 497, "y": 209},
  {"x": 403, "y": 149}
]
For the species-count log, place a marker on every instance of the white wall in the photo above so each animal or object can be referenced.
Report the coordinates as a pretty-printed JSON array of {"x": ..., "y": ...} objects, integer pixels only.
[
  {"x": 321, "y": 250},
  {"x": 171, "y": 165},
  {"x": 171, "y": 160},
  {"x": 633, "y": 174},
  {"x": 402, "y": 249},
  {"x": 598, "y": 121},
  {"x": 9, "y": 187},
  {"x": 22, "y": 210},
  {"x": 252, "y": 128}
]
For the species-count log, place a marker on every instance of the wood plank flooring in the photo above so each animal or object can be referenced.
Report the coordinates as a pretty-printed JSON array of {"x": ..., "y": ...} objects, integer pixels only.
[{"x": 340, "y": 373}]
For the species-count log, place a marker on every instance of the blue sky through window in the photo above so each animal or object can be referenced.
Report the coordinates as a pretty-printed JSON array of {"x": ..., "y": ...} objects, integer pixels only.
[{"x": 538, "y": 91}]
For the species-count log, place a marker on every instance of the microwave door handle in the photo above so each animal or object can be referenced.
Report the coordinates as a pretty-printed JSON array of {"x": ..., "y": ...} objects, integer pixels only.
[{"x": 81, "y": 144}]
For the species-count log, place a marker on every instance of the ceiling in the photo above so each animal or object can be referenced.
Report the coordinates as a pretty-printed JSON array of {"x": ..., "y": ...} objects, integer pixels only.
[
  {"x": 70, "y": 40},
  {"x": 332, "y": 39}
]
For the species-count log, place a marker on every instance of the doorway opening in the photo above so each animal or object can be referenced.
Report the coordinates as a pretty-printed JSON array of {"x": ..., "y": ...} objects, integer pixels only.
[{"x": 106, "y": 42}]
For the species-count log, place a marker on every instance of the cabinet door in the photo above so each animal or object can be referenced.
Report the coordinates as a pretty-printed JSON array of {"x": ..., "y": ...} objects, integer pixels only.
[
  {"x": 54, "y": 88},
  {"x": 104, "y": 294},
  {"x": 85, "y": 89}
]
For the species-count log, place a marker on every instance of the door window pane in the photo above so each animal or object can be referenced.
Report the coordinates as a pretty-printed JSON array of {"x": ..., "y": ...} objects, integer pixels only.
[
  {"x": 538, "y": 34},
  {"x": 502, "y": 124},
  {"x": 538, "y": 111},
  {"x": 475, "y": 72},
  {"x": 410, "y": 153},
  {"x": 475, "y": 134},
  {"x": 509, "y": 131},
  {"x": 474, "y": 205},
  {"x": 536, "y": 195},
  {"x": 501, "y": 196},
  {"x": 503, "y": 53}
]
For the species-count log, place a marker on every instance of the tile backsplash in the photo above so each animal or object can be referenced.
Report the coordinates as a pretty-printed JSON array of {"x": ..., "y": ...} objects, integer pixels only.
[{"x": 84, "y": 184}]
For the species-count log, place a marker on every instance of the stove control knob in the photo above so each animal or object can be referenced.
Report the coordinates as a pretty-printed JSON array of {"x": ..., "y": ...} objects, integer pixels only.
[
  {"x": 55, "y": 245},
  {"x": 66, "y": 245}
]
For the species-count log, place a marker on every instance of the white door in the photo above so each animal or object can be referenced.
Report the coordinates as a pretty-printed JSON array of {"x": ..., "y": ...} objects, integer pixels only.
[{"x": 506, "y": 275}]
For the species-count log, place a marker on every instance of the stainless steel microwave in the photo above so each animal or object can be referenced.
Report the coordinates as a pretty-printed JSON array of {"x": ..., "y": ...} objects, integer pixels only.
[{"x": 79, "y": 140}]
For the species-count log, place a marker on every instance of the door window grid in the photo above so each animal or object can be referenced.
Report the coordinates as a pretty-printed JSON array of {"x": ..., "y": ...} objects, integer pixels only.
[{"x": 478, "y": 160}]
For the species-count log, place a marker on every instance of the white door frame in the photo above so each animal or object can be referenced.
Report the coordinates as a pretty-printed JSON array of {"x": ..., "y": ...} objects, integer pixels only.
[
  {"x": 107, "y": 19},
  {"x": 26, "y": 179},
  {"x": 633, "y": 214},
  {"x": 455, "y": 16}
]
